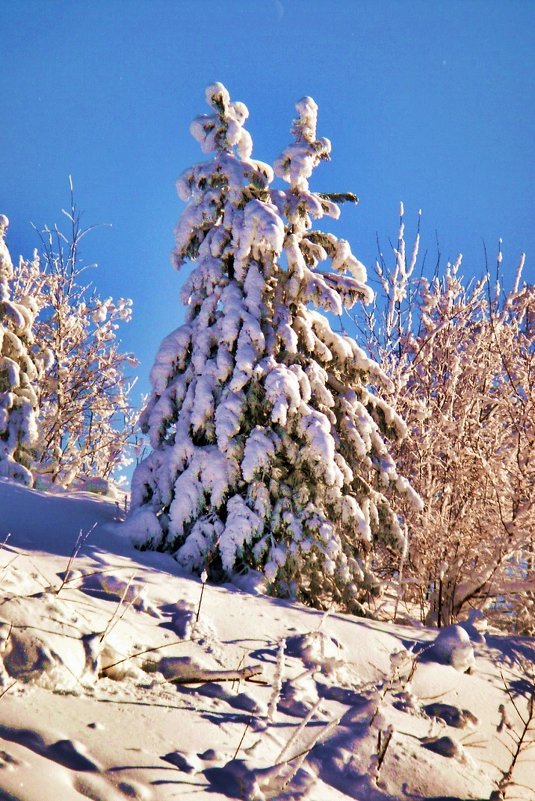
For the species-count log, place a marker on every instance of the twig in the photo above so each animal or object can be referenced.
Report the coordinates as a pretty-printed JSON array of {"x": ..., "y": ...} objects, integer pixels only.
[
  {"x": 277, "y": 681},
  {"x": 382, "y": 746},
  {"x": 242, "y": 738},
  {"x": 114, "y": 619},
  {"x": 80, "y": 541},
  {"x": 198, "y": 675},
  {"x": 8, "y": 564},
  {"x": 511, "y": 698},
  {"x": 324, "y": 617},
  {"x": 301, "y": 756},
  {"x": 100, "y": 572},
  {"x": 8, "y": 688},
  {"x": 142, "y": 653},
  {"x": 299, "y": 729},
  {"x": 521, "y": 740},
  {"x": 204, "y": 578},
  {"x": 8, "y": 634},
  {"x": 237, "y": 681}
]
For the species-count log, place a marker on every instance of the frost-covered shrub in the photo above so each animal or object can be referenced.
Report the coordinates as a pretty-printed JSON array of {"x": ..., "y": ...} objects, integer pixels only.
[
  {"x": 461, "y": 357},
  {"x": 267, "y": 427},
  {"x": 18, "y": 374},
  {"x": 86, "y": 417}
]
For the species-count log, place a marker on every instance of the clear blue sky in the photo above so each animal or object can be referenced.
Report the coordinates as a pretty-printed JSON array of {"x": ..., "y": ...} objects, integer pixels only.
[{"x": 427, "y": 101}]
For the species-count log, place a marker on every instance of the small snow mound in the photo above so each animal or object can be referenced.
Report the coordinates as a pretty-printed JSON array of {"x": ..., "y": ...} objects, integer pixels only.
[
  {"x": 240, "y": 779},
  {"x": 452, "y": 646},
  {"x": 187, "y": 763},
  {"x": 98, "y": 486},
  {"x": 130, "y": 592},
  {"x": 445, "y": 746},
  {"x": 299, "y": 696},
  {"x": 182, "y": 618},
  {"x": 33, "y": 660},
  {"x": 253, "y": 582},
  {"x": 451, "y": 715},
  {"x": 316, "y": 650}
]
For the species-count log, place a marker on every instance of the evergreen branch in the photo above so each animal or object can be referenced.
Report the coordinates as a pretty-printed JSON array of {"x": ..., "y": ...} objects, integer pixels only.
[{"x": 339, "y": 197}]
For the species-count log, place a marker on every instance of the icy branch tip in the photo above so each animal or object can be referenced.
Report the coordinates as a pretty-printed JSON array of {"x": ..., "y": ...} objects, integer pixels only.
[
  {"x": 305, "y": 124},
  {"x": 217, "y": 92},
  {"x": 307, "y": 105}
]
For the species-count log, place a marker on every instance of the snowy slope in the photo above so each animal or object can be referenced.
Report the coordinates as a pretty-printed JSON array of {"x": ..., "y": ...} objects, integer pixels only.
[{"x": 216, "y": 707}]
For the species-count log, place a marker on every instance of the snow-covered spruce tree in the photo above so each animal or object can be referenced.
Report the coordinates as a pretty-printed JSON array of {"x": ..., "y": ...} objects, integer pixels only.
[
  {"x": 18, "y": 375},
  {"x": 266, "y": 436}
]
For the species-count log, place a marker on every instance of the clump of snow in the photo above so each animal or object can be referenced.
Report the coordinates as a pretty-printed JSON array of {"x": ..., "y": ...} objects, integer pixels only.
[
  {"x": 453, "y": 646},
  {"x": 316, "y": 650}
]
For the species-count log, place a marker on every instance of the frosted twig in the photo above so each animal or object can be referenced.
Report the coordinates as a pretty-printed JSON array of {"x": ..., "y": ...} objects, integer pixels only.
[
  {"x": 114, "y": 619},
  {"x": 80, "y": 542},
  {"x": 330, "y": 726},
  {"x": 301, "y": 756},
  {"x": 305, "y": 673},
  {"x": 324, "y": 617},
  {"x": 8, "y": 564},
  {"x": 299, "y": 729},
  {"x": 277, "y": 681}
]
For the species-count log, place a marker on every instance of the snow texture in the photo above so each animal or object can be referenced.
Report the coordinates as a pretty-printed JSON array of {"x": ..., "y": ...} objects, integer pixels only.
[{"x": 124, "y": 677}]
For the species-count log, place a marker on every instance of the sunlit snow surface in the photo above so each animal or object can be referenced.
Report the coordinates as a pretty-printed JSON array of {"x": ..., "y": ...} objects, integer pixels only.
[{"x": 215, "y": 707}]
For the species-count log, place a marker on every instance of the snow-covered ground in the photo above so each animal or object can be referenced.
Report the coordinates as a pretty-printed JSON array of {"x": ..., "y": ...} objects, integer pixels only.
[{"x": 240, "y": 696}]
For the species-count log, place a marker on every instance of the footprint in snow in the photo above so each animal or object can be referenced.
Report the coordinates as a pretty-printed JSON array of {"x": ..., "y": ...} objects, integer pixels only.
[{"x": 65, "y": 752}]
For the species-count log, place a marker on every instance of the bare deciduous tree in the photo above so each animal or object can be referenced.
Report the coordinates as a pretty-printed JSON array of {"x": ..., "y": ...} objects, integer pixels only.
[
  {"x": 86, "y": 418},
  {"x": 462, "y": 360}
]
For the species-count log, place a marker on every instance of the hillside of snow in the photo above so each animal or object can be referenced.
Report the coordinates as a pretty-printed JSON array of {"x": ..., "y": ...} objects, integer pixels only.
[{"x": 123, "y": 678}]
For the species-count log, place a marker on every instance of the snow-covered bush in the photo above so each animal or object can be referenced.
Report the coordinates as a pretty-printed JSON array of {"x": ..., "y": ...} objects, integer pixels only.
[
  {"x": 267, "y": 427},
  {"x": 18, "y": 374},
  {"x": 461, "y": 357},
  {"x": 86, "y": 418}
]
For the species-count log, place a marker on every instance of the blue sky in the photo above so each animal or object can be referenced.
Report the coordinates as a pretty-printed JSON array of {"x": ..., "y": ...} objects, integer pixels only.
[{"x": 429, "y": 102}]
